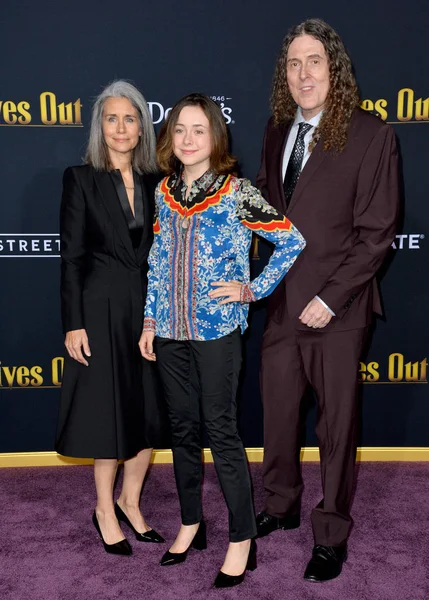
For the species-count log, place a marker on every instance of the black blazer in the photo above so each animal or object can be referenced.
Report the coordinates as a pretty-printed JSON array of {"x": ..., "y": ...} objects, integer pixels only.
[{"x": 98, "y": 258}]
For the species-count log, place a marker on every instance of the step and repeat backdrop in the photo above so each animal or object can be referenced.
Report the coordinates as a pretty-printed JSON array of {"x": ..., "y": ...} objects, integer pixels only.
[{"x": 57, "y": 56}]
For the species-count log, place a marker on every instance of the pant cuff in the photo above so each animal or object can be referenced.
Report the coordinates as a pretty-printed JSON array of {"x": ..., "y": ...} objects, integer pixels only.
[
  {"x": 192, "y": 521},
  {"x": 241, "y": 537}
]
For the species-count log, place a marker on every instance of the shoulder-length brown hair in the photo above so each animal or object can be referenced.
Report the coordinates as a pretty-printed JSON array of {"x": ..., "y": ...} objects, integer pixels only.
[
  {"x": 343, "y": 95},
  {"x": 221, "y": 161}
]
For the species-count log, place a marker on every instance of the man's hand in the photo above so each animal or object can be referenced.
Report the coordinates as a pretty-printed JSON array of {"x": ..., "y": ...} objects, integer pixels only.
[
  {"x": 146, "y": 345},
  {"x": 74, "y": 342},
  {"x": 315, "y": 315}
]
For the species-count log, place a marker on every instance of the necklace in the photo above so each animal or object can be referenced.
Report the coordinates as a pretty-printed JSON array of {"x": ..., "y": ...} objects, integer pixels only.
[{"x": 128, "y": 188}]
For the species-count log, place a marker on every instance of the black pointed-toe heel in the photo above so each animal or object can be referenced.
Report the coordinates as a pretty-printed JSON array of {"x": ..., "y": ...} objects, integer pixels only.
[
  {"x": 225, "y": 581},
  {"x": 198, "y": 543},
  {"x": 123, "y": 547},
  {"x": 148, "y": 536}
]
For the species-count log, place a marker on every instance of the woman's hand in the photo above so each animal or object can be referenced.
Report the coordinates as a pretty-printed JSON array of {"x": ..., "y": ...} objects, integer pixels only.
[
  {"x": 74, "y": 342},
  {"x": 231, "y": 291},
  {"x": 146, "y": 345}
]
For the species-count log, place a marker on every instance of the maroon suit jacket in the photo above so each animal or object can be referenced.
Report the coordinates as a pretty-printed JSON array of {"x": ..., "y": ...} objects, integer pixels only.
[{"x": 345, "y": 205}]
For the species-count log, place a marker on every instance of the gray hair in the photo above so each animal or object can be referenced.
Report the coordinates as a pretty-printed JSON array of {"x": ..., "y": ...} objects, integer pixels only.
[{"x": 144, "y": 156}]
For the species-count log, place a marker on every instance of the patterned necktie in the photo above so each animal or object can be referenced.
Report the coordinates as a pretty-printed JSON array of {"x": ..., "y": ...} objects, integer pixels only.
[{"x": 293, "y": 170}]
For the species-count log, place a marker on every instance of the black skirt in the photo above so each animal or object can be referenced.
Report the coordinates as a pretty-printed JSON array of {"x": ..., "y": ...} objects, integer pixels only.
[{"x": 114, "y": 407}]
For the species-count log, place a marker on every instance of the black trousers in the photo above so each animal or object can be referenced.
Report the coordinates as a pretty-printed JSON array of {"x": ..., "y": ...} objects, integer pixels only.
[{"x": 202, "y": 377}]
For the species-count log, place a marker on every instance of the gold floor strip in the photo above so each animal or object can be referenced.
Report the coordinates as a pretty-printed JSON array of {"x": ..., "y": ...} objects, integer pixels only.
[{"x": 51, "y": 459}]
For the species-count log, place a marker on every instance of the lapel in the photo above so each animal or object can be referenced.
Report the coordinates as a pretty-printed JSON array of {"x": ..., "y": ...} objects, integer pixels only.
[
  {"x": 282, "y": 142},
  {"x": 141, "y": 251},
  {"x": 311, "y": 166},
  {"x": 107, "y": 191}
]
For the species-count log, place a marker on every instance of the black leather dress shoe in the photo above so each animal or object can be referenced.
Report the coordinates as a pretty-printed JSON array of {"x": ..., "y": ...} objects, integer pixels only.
[
  {"x": 265, "y": 523},
  {"x": 147, "y": 536},
  {"x": 326, "y": 563}
]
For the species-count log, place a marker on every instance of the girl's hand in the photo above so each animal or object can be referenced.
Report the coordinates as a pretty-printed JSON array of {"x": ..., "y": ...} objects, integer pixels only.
[
  {"x": 146, "y": 345},
  {"x": 230, "y": 290}
]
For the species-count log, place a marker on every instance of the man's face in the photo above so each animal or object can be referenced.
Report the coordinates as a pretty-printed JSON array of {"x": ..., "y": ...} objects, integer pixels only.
[{"x": 308, "y": 74}]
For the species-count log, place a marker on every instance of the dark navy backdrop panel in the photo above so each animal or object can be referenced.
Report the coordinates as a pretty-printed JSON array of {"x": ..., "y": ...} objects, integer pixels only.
[{"x": 57, "y": 56}]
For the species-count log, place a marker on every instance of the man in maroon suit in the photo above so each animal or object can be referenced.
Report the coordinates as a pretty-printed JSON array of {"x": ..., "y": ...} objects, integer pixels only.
[{"x": 332, "y": 168}]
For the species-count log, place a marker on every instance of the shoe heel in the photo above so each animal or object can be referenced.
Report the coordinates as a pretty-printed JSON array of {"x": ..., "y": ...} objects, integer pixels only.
[
  {"x": 252, "y": 562},
  {"x": 200, "y": 540},
  {"x": 97, "y": 526},
  {"x": 123, "y": 547}
]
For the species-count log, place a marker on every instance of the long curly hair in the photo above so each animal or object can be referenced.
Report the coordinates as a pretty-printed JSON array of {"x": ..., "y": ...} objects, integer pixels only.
[{"x": 343, "y": 95}]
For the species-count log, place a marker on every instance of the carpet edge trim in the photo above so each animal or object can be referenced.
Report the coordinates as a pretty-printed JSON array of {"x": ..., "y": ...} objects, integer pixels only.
[{"x": 365, "y": 454}]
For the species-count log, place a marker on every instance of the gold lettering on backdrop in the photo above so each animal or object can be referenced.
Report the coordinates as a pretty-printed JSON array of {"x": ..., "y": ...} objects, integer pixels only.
[
  {"x": 23, "y": 376},
  {"x": 369, "y": 372},
  {"x": 399, "y": 370},
  {"x": 378, "y": 106},
  {"x": 9, "y": 374},
  {"x": 57, "y": 370},
  {"x": 408, "y": 108},
  {"x": 422, "y": 109},
  {"x": 48, "y": 108},
  {"x": 9, "y": 112},
  {"x": 405, "y": 104},
  {"x": 20, "y": 376},
  {"x": 25, "y": 116},
  {"x": 36, "y": 374},
  {"x": 77, "y": 112},
  {"x": 52, "y": 113}
]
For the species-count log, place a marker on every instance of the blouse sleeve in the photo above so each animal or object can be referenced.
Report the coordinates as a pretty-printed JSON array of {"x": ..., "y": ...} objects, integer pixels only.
[{"x": 256, "y": 214}]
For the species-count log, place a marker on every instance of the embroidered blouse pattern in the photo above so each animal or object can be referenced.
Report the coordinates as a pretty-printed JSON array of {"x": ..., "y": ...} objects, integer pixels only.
[{"x": 221, "y": 212}]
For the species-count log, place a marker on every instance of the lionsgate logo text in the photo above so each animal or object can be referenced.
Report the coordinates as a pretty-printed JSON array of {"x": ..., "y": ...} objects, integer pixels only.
[
  {"x": 408, "y": 241},
  {"x": 29, "y": 245}
]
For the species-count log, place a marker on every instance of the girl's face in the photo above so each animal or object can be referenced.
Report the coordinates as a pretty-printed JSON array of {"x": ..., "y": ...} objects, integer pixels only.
[{"x": 192, "y": 139}]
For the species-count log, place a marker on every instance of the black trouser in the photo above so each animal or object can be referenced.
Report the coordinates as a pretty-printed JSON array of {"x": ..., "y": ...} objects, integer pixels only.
[{"x": 205, "y": 374}]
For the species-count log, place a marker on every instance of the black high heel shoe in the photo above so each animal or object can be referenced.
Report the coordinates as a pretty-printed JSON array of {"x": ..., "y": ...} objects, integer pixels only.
[
  {"x": 198, "y": 543},
  {"x": 148, "y": 536},
  {"x": 225, "y": 581},
  {"x": 123, "y": 547}
]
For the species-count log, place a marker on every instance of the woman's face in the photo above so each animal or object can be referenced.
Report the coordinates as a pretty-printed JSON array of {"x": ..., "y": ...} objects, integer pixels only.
[
  {"x": 121, "y": 125},
  {"x": 192, "y": 139}
]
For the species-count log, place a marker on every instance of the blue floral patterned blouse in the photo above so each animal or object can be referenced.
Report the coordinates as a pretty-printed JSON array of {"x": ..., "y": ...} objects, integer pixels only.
[{"x": 205, "y": 238}]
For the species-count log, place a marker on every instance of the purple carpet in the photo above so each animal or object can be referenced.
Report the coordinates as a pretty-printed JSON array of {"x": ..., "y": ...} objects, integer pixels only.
[{"x": 50, "y": 551}]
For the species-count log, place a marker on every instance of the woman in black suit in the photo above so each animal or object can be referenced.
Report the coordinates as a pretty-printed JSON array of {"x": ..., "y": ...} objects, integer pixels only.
[{"x": 109, "y": 402}]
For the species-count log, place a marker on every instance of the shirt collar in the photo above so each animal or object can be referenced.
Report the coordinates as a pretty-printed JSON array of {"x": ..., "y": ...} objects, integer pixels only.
[
  {"x": 203, "y": 182},
  {"x": 314, "y": 121}
]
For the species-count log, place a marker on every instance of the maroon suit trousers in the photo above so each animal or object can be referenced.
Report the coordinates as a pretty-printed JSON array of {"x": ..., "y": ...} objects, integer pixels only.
[{"x": 292, "y": 359}]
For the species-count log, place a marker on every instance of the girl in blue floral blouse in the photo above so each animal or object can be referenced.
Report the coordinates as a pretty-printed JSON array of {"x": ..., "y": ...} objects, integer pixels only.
[{"x": 199, "y": 289}]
